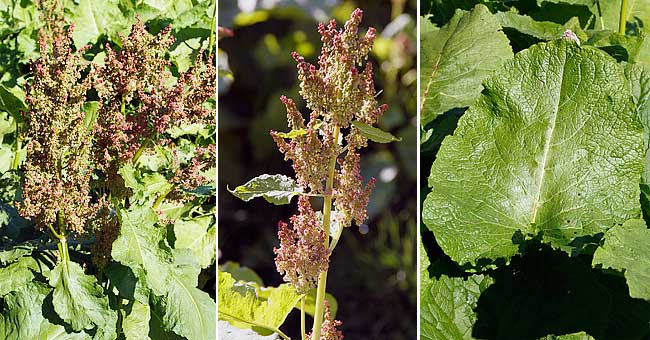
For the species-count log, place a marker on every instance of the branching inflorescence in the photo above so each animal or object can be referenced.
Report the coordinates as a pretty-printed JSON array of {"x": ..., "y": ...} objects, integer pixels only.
[
  {"x": 324, "y": 151},
  {"x": 72, "y": 176}
]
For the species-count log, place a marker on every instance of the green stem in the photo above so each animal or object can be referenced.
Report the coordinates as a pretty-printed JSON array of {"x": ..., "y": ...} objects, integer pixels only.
[
  {"x": 623, "y": 18},
  {"x": 302, "y": 318},
  {"x": 138, "y": 153},
  {"x": 600, "y": 16},
  {"x": 284, "y": 336},
  {"x": 16, "y": 162},
  {"x": 322, "y": 277},
  {"x": 213, "y": 26},
  {"x": 160, "y": 199}
]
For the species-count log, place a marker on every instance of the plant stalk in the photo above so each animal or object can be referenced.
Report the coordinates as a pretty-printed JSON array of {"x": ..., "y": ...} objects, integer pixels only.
[
  {"x": 303, "y": 333},
  {"x": 16, "y": 162},
  {"x": 213, "y": 32},
  {"x": 327, "y": 211},
  {"x": 623, "y": 18}
]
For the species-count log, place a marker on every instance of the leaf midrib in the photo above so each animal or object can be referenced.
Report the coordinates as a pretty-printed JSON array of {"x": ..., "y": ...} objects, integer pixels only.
[{"x": 547, "y": 144}]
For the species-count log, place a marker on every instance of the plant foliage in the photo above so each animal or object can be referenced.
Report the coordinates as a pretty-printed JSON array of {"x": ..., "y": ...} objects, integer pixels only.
[
  {"x": 107, "y": 170},
  {"x": 535, "y": 217}
]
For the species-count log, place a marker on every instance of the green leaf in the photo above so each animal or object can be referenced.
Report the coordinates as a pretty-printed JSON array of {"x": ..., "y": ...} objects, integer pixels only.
[
  {"x": 528, "y": 158},
  {"x": 11, "y": 103},
  {"x": 198, "y": 235},
  {"x": 90, "y": 117},
  {"x": 139, "y": 247},
  {"x": 240, "y": 273},
  {"x": 276, "y": 189},
  {"x": 374, "y": 134},
  {"x": 611, "y": 12},
  {"x": 574, "y": 336},
  {"x": 633, "y": 49},
  {"x": 146, "y": 187},
  {"x": 93, "y": 19},
  {"x": 545, "y": 30},
  {"x": 188, "y": 311},
  {"x": 240, "y": 305},
  {"x": 136, "y": 323},
  {"x": 80, "y": 301},
  {"x": 456, "y": 59},
  {"x": 447, "y": 306},
  {"x": 627, "y": 249},
  {"x": 17, "y": 275},
  {"x": 293, "y": 133},
  {"x": 638, "y": 79}
]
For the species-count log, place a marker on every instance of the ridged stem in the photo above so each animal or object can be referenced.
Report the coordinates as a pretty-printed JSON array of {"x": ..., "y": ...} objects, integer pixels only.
[
  {"x": 622, "y": 20},
  {"x": 327, "y": 211}
]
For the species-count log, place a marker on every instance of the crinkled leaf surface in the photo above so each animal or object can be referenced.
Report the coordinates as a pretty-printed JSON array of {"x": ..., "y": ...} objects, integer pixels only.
[
  {"x": 276, "y": 189},
  {"x": 627, "y": 249},
  {"x": 456, "y": 58},
  {"x": 240, "y": 305},
  {"x": 529, "y": 156},
  {"x": 80, "y": 301},
  {"x": 139, "y": 247},
  {"x": 447, "y": 306}
]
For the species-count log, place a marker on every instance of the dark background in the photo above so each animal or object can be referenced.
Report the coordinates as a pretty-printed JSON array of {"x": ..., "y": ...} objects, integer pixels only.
[{"x": 373, "y": 274}]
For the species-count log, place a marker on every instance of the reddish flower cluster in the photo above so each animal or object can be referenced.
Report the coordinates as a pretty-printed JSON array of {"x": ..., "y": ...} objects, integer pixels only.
[
  {"x": 138, "y": 104},
  {"x": 309, "y": 152},
  {"x": 139, "y": 68},
  {"x": 328, "y": 330},
  {"x": 337, "y": 93},
  {"x": 58, "y": 165},
  {"x": 351, "y": 198},
  {"x": 302, "y": 254}
]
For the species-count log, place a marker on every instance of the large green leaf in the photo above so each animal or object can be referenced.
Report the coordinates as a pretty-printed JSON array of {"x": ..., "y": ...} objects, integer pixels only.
[
  {"x": 456, "y": 58},
  {"x": 276, "y": 189},
  {"x": 627, "y": 249},
  {"x": 16, "y": 275},
  {"x": 240, "y": 305},
  {"x": 545, "y": 30},
  {"x": 198, "y": 235},
  {"x": 529, "y": 157},
  {"x": 139, "y": 246},
  {"x": 80, "y": 301},
  {"x": 447, "y": 306},
  {"x": 22, "y": 316},
  {"x": 93, "y": 19},
  {"x": 146, "y": 187},
  {"x": 136, "y": 323},
  {"x": 188, "y": 311}
]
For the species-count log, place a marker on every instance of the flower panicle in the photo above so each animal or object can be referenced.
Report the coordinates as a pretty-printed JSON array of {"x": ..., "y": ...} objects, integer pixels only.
[
  {"x": 302, "y": 254},
  {"x": 58, "y": 163}
]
